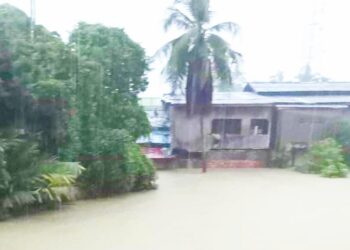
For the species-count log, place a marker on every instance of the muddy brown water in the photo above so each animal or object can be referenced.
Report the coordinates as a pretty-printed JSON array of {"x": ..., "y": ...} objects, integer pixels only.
[{"x": 239, "y": 209}]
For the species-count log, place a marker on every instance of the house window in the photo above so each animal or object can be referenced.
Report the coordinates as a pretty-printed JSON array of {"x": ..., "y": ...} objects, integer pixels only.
[
  {"x": 227, "y": 126},
  {"x": 259, "y": 126}
]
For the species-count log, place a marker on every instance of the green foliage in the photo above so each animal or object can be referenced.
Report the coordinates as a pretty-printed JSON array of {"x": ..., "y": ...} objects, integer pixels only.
[
  {"x": 50, "y": 118},
  {"x": 31, "y": 56},
  {"x": 107, "y": 118},
  {"x": 25, "y": 181},
  {"x": 116, "y": 166},
  {"x": 200, "y": 54},
  {"x": 80, "y": 100},
  {"x": 326, "y": 158},
  {"x": 56, "y": 181},
  {"x": 50, "y": 89},
  {"x": 144, "y": 169},
  {"x": 342, "y": 135},
  {"x": 18, "y": 170},
  {"x": 110, "y": 75}
]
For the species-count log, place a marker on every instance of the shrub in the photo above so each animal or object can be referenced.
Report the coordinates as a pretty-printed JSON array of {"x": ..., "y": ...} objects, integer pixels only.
[
  {"x": 144, "y": 169},
  {"x": 26, "y": 181},
  {"x": 325, "y": 157},
  {"x": 342, "y": 135},
  {"x": 56, "y": 182},
  {"x": 105, "y": 169},
  {"x": 116, "y": 165},
  {"x": 18, "y": 170}
]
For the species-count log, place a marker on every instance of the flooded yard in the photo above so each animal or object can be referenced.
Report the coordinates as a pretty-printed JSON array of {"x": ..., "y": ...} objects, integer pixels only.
[{"x": 241, "y": 209}]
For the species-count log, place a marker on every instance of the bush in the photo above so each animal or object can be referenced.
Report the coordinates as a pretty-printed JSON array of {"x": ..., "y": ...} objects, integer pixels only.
[
  {"x": 326, "y": 158},
  {"x": 116, "y": 165},
  {"x": 25, "y": 181},
  {"x": 18, "y": 170},
  {"x": 56, "y": 182},
  {"x": 342, "y": 135},
  {"x": 144, "y": 169}
]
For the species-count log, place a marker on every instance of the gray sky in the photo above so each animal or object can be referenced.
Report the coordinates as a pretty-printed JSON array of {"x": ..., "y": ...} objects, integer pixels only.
[{"x": 275, "y": 35}]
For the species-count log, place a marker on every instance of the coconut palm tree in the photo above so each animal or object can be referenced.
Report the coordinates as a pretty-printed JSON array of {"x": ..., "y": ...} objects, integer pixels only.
[{"x": 199, "y": 55}]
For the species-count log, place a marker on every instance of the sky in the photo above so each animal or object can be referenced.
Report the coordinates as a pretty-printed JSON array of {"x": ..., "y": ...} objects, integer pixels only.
[{"x": 274, "y": 35}]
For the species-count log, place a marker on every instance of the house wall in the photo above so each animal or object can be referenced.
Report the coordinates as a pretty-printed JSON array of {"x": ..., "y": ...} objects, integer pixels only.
[
  {"x": 186, "y": 131},
  {"x": 306, "y": 125}
]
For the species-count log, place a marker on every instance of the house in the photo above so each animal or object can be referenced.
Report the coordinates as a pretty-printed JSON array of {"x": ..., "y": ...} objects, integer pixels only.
[
  {"x": 156, "y": 145},
  {"x": 243, "y": 128},
  {"x": 305, "y": 112}
]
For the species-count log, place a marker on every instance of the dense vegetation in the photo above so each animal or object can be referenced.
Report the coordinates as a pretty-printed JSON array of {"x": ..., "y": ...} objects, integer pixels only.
[
  {"x": 326, "y": 158},
  {"x": 342, "y": 136},
  {"x": 27, "y": 179},
  {"x": 63, "y": 103}
]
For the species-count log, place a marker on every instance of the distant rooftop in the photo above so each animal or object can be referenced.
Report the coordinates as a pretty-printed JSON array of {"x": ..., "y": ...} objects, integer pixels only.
[{"x": 297, "y": 88}]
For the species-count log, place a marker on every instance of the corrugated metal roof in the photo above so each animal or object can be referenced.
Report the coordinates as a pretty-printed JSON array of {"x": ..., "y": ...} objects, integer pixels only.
[
  {"x": 248, "y": 98},
  {"x": 298, "y": 87},
  {"x": 328, "y": 99},
  {"x": 226, "y": 98},
  {"x": 312, "y": 106}
]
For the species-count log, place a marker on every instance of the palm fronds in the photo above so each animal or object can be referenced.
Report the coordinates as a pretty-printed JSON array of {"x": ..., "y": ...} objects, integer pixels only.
[
  {"x": 226, "y": 26},
  {"x": 57, "y": 180},
  {"x": 199, "y": 54},
  {"x": 25, "y": 180},
  {"x": 179, "y": 19}
]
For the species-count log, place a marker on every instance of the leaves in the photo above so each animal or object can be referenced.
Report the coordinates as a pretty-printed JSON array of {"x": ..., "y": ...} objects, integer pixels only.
[
  {"x": 177, "y": 18},
  {"x": 26, "y": 180},
  {"x": 79, "y": 99},
  {"x": 226, "y": 26},
  {"x": 326, "y": 158},
  {"x": 197, "y": 49}
]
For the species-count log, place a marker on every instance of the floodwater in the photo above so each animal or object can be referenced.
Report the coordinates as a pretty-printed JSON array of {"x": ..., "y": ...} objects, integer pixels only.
[{"x": 236, "y": 209}]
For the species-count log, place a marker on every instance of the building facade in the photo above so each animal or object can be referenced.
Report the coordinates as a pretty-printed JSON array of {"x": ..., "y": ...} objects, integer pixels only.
[{"x": 243, "y": 128}]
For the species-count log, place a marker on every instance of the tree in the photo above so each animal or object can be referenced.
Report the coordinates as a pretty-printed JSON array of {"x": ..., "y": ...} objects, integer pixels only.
[
  {"x": 15, "y": 101},
  {"x": 79, "y": 98},
  {"x": 198, "y": 56},
  {"x": 307, "y": 75},
  {"x": 107, "y": 120},
  {"x": 278, "y": 77},
  {"x": 114, "y": 66},
  {"x": 34, "y": 71}
]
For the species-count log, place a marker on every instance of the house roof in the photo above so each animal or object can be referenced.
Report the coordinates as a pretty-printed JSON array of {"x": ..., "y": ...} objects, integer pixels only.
[
  {"x": 283, "y": 88},
  {"x": 249, "y": 98},
  {"x": 226, "y": 98},
  {"x": 327, "y": 99},
  {"x": 312, "y": 106}
]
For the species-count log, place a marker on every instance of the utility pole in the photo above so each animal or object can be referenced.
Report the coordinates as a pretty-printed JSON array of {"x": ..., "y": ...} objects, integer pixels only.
[
  {"x": 32, "y": 18},
  {"x": 314, "y": 35}
]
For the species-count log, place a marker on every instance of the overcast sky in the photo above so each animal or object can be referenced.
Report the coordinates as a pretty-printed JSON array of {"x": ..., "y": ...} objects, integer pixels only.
[{"x": 275, "y": 35}]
